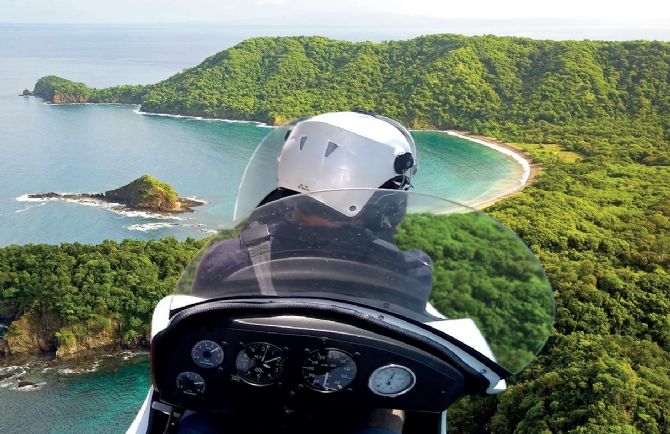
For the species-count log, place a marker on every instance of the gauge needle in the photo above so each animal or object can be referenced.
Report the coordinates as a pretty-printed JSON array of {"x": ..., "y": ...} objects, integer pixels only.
[
  {"x": 267, "y": 362},
  {"x": 264, "y": 354},
  {"x": 325, "y": 380}
]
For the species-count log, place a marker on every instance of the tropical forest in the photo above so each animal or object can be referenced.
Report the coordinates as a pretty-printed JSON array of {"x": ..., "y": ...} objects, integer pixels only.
[{"x": 595, "y": 116}]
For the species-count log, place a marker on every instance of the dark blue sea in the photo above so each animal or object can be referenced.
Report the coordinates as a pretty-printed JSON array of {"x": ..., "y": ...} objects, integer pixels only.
[{"x": 94, "y": 148}]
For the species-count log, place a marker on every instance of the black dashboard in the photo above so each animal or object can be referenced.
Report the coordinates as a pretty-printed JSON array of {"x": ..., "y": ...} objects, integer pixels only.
[{"x": 222, "y": 364}]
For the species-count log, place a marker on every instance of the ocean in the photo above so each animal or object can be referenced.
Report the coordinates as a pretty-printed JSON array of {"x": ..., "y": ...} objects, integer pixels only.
[{"x": 94, "y": 148}]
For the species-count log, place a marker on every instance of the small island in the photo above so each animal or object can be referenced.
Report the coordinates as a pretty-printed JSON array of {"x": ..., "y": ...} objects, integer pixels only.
[{"x": 146, "y": 193}]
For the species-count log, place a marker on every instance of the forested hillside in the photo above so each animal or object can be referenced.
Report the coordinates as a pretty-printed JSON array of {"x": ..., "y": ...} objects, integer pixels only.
[
  {"x": 433, "y": 81},
  {"x": 600, "y": 224}
]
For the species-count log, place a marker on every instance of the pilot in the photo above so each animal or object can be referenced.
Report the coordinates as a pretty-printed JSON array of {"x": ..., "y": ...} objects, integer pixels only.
[
  {"x": 331, "y": 151},
  {"x": 320, "y": 155}
]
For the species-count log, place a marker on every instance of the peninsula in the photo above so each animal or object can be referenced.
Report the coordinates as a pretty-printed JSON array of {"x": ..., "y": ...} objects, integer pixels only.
[{"x": 146, "y": 193}]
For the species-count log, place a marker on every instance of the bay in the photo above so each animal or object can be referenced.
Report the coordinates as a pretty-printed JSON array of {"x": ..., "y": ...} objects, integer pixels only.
[{"x": 95, "y": 148}]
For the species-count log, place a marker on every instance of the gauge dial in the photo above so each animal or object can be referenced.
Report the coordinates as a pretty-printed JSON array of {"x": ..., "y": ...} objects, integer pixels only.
[
  {"x": 207, "y": 354},
  {"x": 328, "y": 370},
  {"x": 190, "y": 383},
  {"x": 260, "y": 364},
  {"x": 391, "y": 380}
]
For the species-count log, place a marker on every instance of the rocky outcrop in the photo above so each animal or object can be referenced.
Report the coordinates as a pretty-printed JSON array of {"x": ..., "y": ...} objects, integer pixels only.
[
  {"x": 151, "y": 194},
  {"x": 74, "y": 343},
  {"x": 69, "y": 99},
  {"x": 31, "y": 334},
  {"x": 145, "y": 194}
]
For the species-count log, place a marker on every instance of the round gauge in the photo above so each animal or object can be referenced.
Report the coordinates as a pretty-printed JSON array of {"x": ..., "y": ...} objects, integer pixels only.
[
  {"x": 328, "y": 370},
  {"x": 190, "y": 383},
  {"x": 391, "y": 380},
  {"x": 260, "y": 364},
  {"x": 207, "y": 354}
]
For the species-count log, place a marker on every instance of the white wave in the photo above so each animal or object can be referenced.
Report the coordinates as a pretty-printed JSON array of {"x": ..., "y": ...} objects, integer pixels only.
[
  {"x": 56, "y": 104},
  {"x": 146, "y": 227},
  {"x": 200, "y": 118},
  {"x": 72, "y": 371},
  {"x": 12, "y": 373},
  {"x": 114, "y": 207},
  {"x": 146, "y": 214},
  {"x": 126, "y": 355},
  {"x": 197, "y": 199},
  {"x": 30, "y": 207},
  {"x": 13, "y": 370},
  {"x": 29, "y": 387}
]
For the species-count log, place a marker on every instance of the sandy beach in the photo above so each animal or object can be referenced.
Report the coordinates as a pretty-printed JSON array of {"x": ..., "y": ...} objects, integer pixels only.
[{"x": 530, "y": 168}]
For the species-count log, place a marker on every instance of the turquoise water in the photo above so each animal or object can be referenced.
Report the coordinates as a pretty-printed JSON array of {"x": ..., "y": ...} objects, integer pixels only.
[
  {"x": 93, "y": 148},
  {"x": 84, "y": 148},
  {"x": 71, "y": 400}
]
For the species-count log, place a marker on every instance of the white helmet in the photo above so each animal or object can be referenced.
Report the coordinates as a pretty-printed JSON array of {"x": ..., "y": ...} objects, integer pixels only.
[{"x": 346, "y": 150}]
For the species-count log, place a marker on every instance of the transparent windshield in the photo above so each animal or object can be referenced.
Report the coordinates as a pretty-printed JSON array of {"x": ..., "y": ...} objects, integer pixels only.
[
  {"x": 260, "y": 175},
  {"x": 400, "y": 252}
]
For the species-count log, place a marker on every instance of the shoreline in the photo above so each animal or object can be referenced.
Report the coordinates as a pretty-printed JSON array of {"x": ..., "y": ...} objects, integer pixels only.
[
  {"x": 30, "y": 372},
  {"x": 529, "y": 167}
]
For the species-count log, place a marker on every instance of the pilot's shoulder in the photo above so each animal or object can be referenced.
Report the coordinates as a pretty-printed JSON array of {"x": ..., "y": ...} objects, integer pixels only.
[{"x": 223, "y": 253}]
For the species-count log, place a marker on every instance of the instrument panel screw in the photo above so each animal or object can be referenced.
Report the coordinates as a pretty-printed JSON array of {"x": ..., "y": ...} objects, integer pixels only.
[
  {"x": 291, "y": 393},
  {"x": 306, "y": 350},
  {"x": 357, "y": 354}
]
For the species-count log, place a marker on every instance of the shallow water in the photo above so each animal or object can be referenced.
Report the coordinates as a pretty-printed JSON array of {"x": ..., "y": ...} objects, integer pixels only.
[{"x": 101, "y": 396}]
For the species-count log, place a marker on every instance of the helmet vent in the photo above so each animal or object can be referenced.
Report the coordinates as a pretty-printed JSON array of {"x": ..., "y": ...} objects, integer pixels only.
[
  {"x": 303, "y": 139},
  {"x": 330, "y": 148}
]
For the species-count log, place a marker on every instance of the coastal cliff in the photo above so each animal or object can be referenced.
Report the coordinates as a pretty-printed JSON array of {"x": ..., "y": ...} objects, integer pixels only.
[
  {"x": 146, "y": 193},
  {"x": 72, "y": 299},
  {"x": 35, "y": 334}
]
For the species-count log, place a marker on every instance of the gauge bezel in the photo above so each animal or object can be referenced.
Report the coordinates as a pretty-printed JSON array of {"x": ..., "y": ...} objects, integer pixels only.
[
  {"x": 393, "y": 395},
  {"x": 208, "y": 367},
  {"x": 186, "y": 373},
  {"x": 251, "y": 382},
  {"x": 316, "y": 350}
]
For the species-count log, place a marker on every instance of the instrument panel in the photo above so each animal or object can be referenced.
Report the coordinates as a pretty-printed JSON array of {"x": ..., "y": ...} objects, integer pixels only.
[{"x": 299, "y": 362}]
